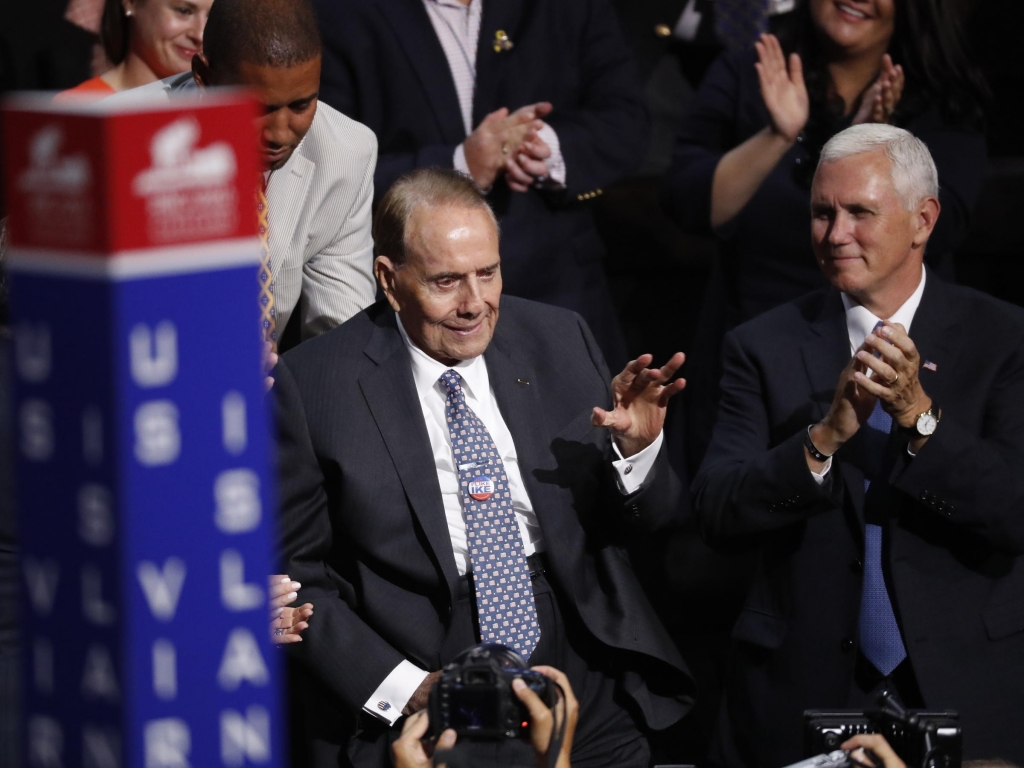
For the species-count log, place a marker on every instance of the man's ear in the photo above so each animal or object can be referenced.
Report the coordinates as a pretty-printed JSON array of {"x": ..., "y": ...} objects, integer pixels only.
[
  {"x": 201, "y": 70},
  {"x": 926, "y": 216},
  {"x": 384, "y": 270}
]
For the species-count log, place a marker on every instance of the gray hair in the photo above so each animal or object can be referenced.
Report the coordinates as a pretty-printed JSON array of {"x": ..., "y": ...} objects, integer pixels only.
[
  {"x": 913, "y": 170},
  {"x": 436, "y": 187}
]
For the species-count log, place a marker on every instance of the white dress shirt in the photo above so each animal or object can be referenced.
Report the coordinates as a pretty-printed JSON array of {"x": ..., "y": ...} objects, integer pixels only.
[
  {"x": 398, "y": 687},
  {"x": 860, "y": 322},
  {"x": 457, "y": 26}
]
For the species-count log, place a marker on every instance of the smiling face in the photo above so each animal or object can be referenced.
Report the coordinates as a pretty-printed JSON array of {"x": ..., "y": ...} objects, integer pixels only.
[
  {"x": 166, "y": 34},
  {"x": 855, "y": 27},
  {"x": 866, "y": 242},
  {"x": 448, "y": 290}
]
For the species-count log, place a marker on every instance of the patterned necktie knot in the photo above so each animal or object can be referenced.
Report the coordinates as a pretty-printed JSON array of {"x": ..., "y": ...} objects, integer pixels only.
[{"x": 452, "y": 382}]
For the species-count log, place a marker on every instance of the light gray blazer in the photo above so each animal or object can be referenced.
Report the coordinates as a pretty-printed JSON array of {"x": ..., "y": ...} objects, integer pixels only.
[{"x": 319, "y": 210}]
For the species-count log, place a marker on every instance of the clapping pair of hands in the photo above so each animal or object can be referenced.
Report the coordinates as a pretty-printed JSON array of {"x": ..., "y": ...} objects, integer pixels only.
[
  {"x": 785, "y": 94},
  {"x": 509, "y": 143}
]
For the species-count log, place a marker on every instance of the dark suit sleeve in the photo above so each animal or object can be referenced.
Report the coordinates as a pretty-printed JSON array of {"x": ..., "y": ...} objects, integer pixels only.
[
  {"x": 748, "y": 484},
  {"x": 605, "y": 136},
  {"x": 973, "y": 480},
  {"x": 708, "y": 131},
  {"x": 336, "y": 636},
  {"x": 655, "y": 504}
]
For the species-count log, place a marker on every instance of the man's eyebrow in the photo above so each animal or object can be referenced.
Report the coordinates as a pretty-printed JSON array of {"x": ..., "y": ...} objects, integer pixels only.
[
  {"x": 274, "y": 107},
  {"x": 460, "y": 275},
  {"x": 446, "y": 276}
]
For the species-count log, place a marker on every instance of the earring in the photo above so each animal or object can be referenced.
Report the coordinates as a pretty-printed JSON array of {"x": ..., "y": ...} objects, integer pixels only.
[{"x": 128, "y": 13}]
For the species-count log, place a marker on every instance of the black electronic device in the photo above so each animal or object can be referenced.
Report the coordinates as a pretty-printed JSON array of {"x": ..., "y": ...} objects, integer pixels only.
[
  {"x": 475, "y": 698},
  {"x": 922, "y": 739}
]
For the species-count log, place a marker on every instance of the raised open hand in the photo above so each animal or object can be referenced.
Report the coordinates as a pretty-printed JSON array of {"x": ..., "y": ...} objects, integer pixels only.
[
  {"x": 640, "y": 396},
  {"x": 782, "y": 88}
]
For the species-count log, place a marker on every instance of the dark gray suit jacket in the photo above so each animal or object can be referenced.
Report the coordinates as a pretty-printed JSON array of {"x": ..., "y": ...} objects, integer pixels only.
[
  {"x": 955, "y": 528},
  {"x": 363, "y": 525}
]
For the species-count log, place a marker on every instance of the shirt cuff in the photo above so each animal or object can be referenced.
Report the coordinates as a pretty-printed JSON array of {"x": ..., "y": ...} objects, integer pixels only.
[
  {"x": 556, "y": 163},
  {"x": 819, "y": 477},
  {"x": 459, "y": 160},
  {"x": 632, "y": 472},
  {"x": 391, "y": 696}
]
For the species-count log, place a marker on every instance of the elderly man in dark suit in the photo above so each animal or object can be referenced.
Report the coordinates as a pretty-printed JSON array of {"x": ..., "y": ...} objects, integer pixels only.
[
  {"x": 869, "y": 443},
  {"x": 450, "y": 475},
  {"x": 538, "y": 100}
]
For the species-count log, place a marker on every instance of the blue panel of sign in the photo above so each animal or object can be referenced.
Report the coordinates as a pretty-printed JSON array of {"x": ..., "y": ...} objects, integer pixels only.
[{"x": 147, "y": 505}]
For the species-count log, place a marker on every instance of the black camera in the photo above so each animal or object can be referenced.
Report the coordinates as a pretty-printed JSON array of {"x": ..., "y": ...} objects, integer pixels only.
[
  {"x": 474, "y": 695},
  {"x": 922, "y": 739}
]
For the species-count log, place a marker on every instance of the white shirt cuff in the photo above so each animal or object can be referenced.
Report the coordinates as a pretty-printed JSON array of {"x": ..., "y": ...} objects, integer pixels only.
[
  {"x": 819, "y": 477},
  {"x": 632, "y": 472},
  {"x": 391, "y": 696},
  {"x": 459, "y": 160},
  {"x": 556, "y": 163}
]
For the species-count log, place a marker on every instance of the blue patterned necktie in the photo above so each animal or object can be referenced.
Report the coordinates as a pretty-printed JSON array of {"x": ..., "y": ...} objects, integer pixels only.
[
  {"x": 880, "y": 638},
  {"x": 739, "y": 23},
  {"x": 506, "y": 612}
]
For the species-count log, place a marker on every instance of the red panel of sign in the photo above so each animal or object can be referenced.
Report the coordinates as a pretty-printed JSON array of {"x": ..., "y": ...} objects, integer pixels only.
[{"x": 79, "y": 179}]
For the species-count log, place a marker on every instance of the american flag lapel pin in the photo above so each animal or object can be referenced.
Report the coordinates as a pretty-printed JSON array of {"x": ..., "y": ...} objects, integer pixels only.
[{"x": 930, "y": 365}]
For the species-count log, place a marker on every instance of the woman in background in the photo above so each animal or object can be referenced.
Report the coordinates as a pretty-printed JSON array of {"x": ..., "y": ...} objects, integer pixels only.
[
  {"x": 146, "y": 40},
  {"x": 747, "y": 150}
]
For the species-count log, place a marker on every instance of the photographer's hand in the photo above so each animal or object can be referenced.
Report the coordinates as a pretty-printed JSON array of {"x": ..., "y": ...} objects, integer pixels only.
[
  {"x": 422, "y": 696},
  {"x": 545, "y": 722},
  {"x": 408, "y": 749},
  {"x": 859, "y": 745}
]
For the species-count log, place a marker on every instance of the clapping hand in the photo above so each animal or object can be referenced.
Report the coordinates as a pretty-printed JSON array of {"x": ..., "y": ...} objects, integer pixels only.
[
  {"x": 782, "y": 88},
  {"x": 287, "y": 623},
  {"x": 528, "y": 165},
  {"x": 880, "y": 100},
  {"x": 640, "y": 396},
  {"x": 499, "y": 137}
]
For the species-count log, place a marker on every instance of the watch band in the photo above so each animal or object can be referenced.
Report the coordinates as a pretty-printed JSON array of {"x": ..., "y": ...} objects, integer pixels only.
[{"x": 811, "y": 448}]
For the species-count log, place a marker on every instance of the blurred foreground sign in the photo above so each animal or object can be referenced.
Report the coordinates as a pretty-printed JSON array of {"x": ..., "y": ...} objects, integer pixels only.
[{"x": 142, "y": 449}]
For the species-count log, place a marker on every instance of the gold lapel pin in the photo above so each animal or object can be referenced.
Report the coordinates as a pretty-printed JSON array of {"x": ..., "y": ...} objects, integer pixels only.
[{"x": 501, "y": 41}]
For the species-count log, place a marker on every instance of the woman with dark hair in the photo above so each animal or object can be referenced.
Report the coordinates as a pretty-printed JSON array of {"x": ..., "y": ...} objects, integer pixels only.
[
  {"x": 747, "y": 150},
  {"x": 146, "y": 40}
]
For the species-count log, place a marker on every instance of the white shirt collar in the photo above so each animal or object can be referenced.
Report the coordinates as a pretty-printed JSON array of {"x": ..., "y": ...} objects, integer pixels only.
[
  {"x": 426, "y": 370},
  {"x": 860, "y": 322}
]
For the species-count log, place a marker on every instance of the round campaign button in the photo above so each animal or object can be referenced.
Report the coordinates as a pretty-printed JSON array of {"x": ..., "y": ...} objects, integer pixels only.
[{"x": 481, "y": 488}]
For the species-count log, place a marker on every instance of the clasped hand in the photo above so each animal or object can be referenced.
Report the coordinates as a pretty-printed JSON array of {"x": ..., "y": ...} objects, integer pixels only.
[
  {"x": 640, "y": 396},
  {"x": 504, "y": 139},
  {"x": 885, "y": 369}
]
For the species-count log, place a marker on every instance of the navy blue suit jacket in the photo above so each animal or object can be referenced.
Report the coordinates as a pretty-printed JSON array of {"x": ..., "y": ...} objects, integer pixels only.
[
  {"x": 955, "y": 528},
  {"x": 363, "y": 524},
  {"x": 383, "y": 66}
]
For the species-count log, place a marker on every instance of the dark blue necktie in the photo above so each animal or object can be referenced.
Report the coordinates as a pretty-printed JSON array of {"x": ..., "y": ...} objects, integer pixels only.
[
  {"x": 739, "y": 23},
  {"x": 506, "y": 612},
  {"x": 880, "y": 638}
]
